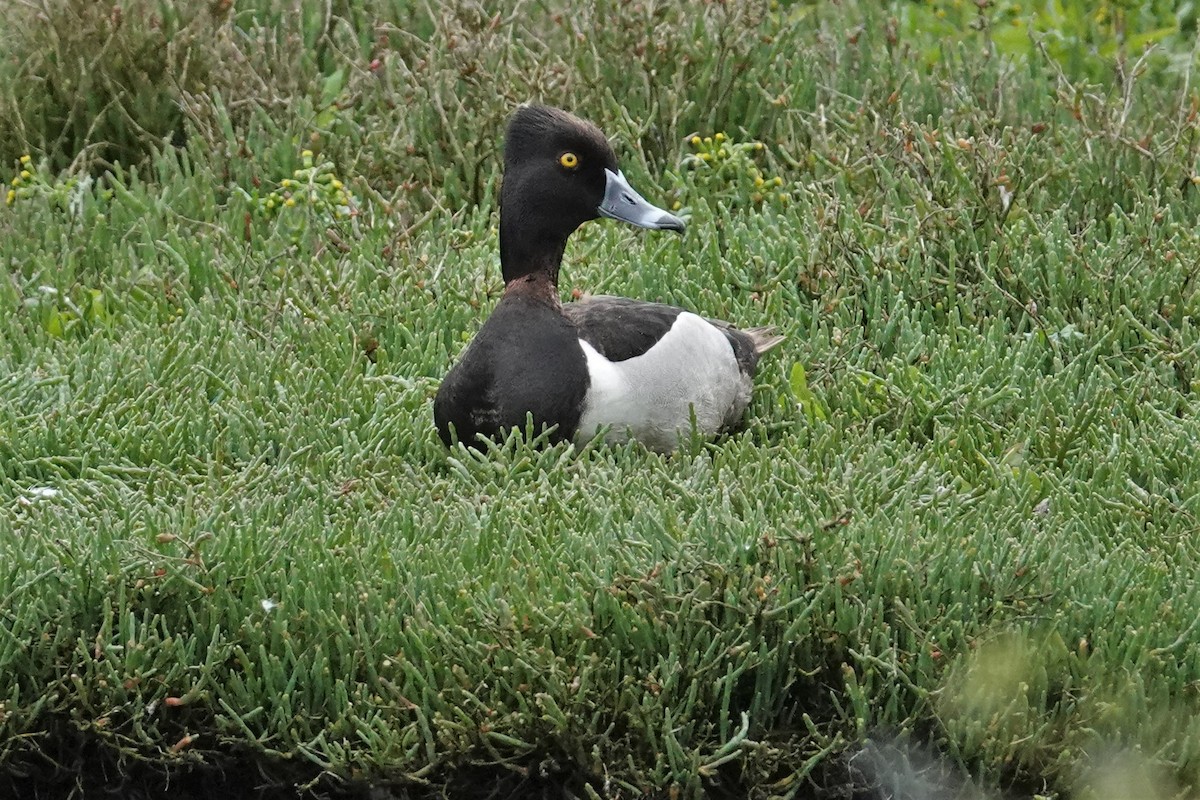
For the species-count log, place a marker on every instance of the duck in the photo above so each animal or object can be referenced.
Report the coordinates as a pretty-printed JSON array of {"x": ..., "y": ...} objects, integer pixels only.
[{"x": 602, "y": 365}]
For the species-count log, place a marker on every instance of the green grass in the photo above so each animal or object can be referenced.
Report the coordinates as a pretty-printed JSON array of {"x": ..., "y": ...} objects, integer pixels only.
[{"x": 962, "y": 517}]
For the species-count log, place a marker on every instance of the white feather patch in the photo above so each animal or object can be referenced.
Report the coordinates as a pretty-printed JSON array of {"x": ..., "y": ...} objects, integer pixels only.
[{"x": 651, "y": 397}]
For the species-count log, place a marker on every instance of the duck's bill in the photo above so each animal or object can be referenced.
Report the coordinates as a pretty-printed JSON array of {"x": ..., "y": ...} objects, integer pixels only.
[{"x": 623, "y": 203}]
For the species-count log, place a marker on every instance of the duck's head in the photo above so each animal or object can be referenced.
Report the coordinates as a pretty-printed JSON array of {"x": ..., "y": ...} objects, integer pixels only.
[{"x": 560, "y": 172}]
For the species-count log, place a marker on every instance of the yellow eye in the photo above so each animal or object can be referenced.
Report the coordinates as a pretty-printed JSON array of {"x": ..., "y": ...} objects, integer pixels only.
[{"x": 569, "y": 160}]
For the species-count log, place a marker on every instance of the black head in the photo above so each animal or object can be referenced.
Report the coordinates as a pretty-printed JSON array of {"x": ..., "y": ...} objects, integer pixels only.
[{"x": 560, "y": 172}]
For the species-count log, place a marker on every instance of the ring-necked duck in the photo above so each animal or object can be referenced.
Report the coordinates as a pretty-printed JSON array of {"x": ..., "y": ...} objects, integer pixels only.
[{"x": 642, "y": 370}]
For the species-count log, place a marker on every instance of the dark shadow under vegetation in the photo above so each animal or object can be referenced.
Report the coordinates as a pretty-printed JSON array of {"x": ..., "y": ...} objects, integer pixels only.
[{"x": 73, "y": 767}]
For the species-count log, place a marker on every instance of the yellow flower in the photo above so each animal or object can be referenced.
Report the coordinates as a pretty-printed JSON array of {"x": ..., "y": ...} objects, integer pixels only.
[
  {"x": 336, "y": 184},
  {"x": 16, "y": 181},
  {"x": 695, "y": 141},
  {"x": 758, "y": 181},
  {"x": 11, "y": 197},
  {"x": 26, "y": 174},
  {"x": 720, "y": 137},
  {"x": 306, "y": 154},
  {"x": 291, "y": 201},
  {"x": 25, "y": 159}
]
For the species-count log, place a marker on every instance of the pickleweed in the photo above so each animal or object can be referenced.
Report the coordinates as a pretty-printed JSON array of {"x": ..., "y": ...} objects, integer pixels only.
[
  {"x": 313, "y": 194},
  {"x": 721, "y": 167},
  {"x": 954, "y": 546}
]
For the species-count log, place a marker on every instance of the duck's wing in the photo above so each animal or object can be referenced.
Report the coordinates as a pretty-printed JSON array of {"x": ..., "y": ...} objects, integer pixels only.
[{"x": 620, "y": 328}]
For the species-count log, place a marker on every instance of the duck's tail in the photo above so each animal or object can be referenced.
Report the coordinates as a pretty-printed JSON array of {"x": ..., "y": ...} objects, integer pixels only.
[{"x": 764, "y": 338}]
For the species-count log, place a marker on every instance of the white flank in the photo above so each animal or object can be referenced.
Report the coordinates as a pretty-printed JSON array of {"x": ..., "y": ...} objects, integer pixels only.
[{"x": 651, "y": 398}]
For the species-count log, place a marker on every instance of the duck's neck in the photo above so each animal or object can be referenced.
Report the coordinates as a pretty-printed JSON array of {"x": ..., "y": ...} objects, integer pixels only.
[{"x": 525, "y": 252}]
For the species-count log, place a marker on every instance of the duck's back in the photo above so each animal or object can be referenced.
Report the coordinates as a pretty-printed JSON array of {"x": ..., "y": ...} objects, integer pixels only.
[{"x": 621, "y": 328}]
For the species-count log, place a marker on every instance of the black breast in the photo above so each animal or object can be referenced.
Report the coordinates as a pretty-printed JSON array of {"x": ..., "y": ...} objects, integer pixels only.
[{"x": 526, "y": 359}]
